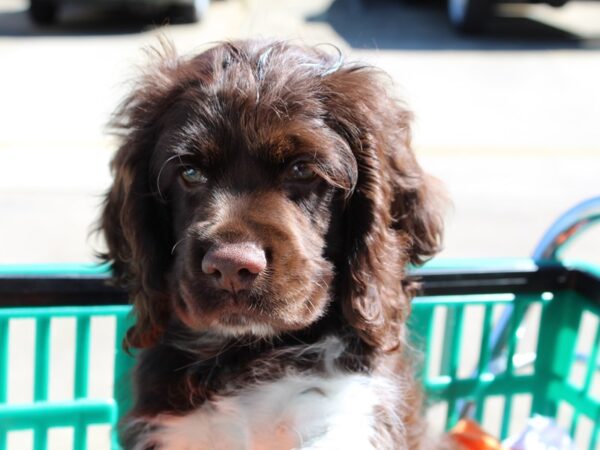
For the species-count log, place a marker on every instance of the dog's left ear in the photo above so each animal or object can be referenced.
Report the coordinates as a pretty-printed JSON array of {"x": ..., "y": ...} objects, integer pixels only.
[
  {"x": 392, "y": 217},
  {"x": 417, "y": 206}
]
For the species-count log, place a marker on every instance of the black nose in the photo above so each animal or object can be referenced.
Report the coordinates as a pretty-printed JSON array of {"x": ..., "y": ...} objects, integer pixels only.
[{"x": 234, "y": 267}]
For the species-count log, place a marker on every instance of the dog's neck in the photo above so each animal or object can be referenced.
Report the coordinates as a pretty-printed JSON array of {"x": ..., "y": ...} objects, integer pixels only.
[{"x": 198, "y": 366}]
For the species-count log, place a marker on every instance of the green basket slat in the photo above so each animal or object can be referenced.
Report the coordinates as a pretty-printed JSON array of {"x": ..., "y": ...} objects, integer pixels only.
[
  {"x": 41, "y": 377},
  {"x": 4, "y": 345},
  {"x": 82, "y": 366},
  {"x": 40, "y": 438},
  {"x": 484, "y": 357},
  {"x": 445, "y": 387},
  {"x": 460, "y": 300},
  {"x": 452, "y": 338},
  {"x": 564, "y": 354},
  {"x": 591, "y": 368},
  {"x": 82, "y": 356},
  {"x": 551, "y": 316},
  {"x": 595, "y": 438},
  {"x": 515, "y": 321},
  {"x": 574, "y": 422},
  {"x": 485, "y": 349},
  {"x": 54, "y": 270},
  {"x": 521, "y": 304},
  {"x": 450, "y": 354},
  {"x": 592, "y": 363},
  {"x": 466, "y": 264},
  {"x": 57, "y": 414},
  {"x": 63, "y": 311},
  {"x": 80, "y": 435},
  {"x": 42, "y": 359},
  {"x": 124, "y": 362},
  {"x": 556, "y": 345}
]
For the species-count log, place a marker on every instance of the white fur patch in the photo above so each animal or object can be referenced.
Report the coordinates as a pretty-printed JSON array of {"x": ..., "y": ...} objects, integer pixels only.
[
  {"x": 308, "y": 411},
  {"x": 295, "y": 412}
]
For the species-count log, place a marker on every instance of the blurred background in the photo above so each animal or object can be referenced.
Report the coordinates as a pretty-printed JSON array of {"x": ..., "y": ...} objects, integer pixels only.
[{"x": 507, "y": 110}]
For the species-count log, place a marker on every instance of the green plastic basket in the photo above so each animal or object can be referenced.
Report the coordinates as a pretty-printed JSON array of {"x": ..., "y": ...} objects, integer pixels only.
[
  {"x": 44, "y": 297},
  {"x": 512, "y": 342},
  {"x": 469, "y": 359}
]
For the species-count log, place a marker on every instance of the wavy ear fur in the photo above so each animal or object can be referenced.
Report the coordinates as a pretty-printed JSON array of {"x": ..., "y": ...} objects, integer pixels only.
[
  {"x": 392, "y": 217},
  {"x": 133, "y": 224},
  {"x": 135, "y": 220}
]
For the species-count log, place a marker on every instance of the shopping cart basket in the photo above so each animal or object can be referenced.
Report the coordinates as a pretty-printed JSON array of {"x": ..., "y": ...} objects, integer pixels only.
[{"x": 501, "y": 338}]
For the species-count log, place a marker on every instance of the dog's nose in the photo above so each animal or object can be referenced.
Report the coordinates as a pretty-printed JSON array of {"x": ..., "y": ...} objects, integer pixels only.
[{"x": 234, "y": 267}]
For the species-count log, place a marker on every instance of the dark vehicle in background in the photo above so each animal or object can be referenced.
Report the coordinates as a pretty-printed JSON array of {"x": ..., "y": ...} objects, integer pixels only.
[
  {"x": 472, "y": 15},
  {"x": 45, "y": 12}
]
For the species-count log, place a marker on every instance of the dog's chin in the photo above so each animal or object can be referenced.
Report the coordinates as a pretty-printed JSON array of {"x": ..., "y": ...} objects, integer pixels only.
[
  {"x": 239, "y": 325},
  {"x": 237, "y": 316}
]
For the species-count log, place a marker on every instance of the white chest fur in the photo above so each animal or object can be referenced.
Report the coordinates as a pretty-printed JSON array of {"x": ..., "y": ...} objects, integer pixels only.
[{"x": 333, "y": 412}]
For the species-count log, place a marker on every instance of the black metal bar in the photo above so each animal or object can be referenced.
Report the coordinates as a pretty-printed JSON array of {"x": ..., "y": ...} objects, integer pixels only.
[
  {"x": 59, "y": 291},
  {"x": 546, "y": 278},
  {"x": 96, "y": 290}
]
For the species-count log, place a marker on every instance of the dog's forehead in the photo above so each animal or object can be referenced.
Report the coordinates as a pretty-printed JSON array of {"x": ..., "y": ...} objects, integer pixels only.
[
  {"x": 261, "y": 110},
  {"x": 229, "y": 134},
  {"x": 274, "y": 114}
]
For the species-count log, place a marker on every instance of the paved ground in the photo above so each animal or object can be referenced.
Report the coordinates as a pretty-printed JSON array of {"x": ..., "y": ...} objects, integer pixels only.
[{"x": 508, "y": 121}]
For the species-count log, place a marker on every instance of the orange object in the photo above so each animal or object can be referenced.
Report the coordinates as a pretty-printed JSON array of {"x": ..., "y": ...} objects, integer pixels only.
[{"x": 468, "y": 435}]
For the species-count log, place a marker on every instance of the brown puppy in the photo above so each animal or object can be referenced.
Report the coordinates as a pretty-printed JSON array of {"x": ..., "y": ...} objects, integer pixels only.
[{"x": 265, "y": 205}]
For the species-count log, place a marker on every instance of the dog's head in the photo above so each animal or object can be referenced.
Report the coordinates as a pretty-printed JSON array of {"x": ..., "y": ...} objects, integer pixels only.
[{"x": 257, "y": 183}]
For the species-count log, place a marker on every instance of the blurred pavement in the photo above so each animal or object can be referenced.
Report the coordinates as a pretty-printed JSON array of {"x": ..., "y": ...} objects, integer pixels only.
[{"x": 508, "y": 121}]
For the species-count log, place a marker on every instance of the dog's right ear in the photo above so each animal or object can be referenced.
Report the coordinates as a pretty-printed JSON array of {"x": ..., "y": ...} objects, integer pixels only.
[
  {"x": 134, "y": 226},
  {"x": 135, "y": 220}
]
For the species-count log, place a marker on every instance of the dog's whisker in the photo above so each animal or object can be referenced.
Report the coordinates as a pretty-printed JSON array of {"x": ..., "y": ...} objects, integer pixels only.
[
  {"x": 160, "y": 171},
  {"x": 179, "y": 242}
]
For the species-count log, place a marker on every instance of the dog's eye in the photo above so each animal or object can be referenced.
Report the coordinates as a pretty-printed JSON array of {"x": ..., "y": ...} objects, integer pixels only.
[
  {"x": 300, "y": 171},
  {"x": 192, "y": 175}
]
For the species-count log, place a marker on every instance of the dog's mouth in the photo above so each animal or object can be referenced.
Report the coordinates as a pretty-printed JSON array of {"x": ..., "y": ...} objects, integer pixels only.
[
  {"x": 238, "y": 324},
  {"x": 233, "y": 314}
]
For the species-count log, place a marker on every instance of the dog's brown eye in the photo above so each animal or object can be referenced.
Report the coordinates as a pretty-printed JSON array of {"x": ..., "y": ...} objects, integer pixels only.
[
  {"x": 192, "y": 175},
  {"x": 301, "y": 172}
]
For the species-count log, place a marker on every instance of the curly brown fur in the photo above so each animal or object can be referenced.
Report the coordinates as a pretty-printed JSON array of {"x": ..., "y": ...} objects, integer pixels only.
[{"x": 337, "y": 244}]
